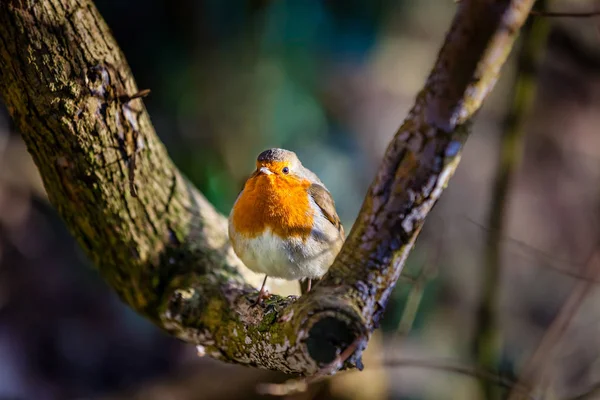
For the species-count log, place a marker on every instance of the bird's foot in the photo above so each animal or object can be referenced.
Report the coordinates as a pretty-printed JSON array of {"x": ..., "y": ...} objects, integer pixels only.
[{"x": 262, "y": 295}]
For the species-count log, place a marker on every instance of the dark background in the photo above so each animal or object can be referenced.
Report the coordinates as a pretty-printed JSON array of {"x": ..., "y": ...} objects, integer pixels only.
[{"x": 331, "y": 80}]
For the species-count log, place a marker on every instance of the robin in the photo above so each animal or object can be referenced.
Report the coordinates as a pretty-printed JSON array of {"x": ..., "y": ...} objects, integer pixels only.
[{"x": 283, "y": 223}]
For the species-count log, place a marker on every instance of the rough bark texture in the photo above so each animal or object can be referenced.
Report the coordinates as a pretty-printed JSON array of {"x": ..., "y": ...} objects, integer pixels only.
[{"x": 165, "y": 251}]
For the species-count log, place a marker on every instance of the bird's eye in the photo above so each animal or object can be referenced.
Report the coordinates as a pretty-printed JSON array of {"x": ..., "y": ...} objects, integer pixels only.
[{"x": 285, "y": 170}]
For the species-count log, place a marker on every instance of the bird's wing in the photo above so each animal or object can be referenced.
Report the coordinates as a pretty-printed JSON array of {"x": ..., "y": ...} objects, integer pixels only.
[{"x": 325, "y": 202}]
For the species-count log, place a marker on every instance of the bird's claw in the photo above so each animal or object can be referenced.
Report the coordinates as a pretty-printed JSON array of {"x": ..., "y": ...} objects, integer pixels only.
[{"x": 261, "y": 296}]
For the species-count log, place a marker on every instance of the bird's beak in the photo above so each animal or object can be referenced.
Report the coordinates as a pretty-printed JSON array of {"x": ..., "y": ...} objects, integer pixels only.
[{"x": 265, "y": 170}]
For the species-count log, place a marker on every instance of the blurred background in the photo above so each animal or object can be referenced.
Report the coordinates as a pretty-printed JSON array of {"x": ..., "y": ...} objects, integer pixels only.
[{"x": 502, "y": 278}]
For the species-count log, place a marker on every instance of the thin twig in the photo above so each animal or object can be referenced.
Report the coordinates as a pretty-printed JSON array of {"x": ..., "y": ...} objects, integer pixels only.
[
  {"x": 541, "y": 253},
  {"x": 566, "y": 14},
  {"x": 125, "y": 98},
  {"x": 300, "y": 385},
  {"x": 474, "y": 372},
  {"x": 535, "y": 366}
]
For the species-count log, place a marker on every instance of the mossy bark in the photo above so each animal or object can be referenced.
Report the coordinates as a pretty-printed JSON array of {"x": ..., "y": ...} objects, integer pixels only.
[{"x": 163, "y": 247}]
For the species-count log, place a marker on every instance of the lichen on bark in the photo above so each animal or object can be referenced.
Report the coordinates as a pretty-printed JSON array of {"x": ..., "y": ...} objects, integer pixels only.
[{"x": 164, "y": 248}]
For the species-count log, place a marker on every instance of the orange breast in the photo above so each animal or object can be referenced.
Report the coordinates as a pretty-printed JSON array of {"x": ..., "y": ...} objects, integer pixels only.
[{"x": 276, "y": 202}]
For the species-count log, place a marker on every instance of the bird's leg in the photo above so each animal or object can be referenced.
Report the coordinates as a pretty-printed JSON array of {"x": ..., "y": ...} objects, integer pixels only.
[
  {"x": 262, "y": 294},
  {"x": 305, "y": 285}
]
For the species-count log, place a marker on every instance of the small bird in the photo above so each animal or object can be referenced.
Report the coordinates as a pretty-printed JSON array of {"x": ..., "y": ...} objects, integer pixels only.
[{"x": 283, "y": 223}]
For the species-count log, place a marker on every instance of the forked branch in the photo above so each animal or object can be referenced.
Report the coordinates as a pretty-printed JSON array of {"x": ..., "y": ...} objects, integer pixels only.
[{"x": 164, "y": 248}]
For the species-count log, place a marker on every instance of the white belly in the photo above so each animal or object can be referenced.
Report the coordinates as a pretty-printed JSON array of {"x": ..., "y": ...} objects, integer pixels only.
[{"x": 288, "y": 259}]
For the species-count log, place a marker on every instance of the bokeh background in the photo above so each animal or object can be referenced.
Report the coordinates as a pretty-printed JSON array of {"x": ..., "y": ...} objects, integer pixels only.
[{"x": 332, "y": 80}]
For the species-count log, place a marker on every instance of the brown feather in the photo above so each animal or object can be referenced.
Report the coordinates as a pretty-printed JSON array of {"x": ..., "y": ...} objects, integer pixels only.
[{"x": 325, "y": 202}]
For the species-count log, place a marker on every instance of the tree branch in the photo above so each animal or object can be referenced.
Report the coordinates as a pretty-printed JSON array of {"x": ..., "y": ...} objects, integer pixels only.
[{"x": 164, "y": 248}]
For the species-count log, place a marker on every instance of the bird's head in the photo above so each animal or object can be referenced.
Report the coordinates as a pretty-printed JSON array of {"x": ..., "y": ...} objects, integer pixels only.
[{"x": 278, "y": 162}]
